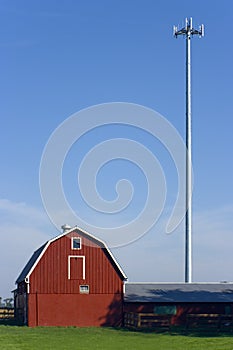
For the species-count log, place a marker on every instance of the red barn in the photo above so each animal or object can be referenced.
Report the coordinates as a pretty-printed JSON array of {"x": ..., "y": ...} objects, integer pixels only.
[{"x": 72, "y": 280}]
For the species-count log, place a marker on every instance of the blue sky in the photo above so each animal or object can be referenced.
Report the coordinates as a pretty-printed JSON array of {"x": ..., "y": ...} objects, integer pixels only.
[{"x": 58, "y": 57}]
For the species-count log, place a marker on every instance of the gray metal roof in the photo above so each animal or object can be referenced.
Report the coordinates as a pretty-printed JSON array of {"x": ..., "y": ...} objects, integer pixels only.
[
  {"x": 30, "y": 264},
  {"x": 178, "y": 292}
]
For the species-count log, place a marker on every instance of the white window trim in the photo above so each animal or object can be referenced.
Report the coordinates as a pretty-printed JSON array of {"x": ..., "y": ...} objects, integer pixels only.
[
  {"x": 79, "y": 257},
  {"x": 72, "y": 243}
]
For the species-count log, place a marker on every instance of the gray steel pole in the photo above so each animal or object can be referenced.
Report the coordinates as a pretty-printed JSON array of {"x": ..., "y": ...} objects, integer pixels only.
[
  {"x": 188, "y": 31},
  {"x": 188, "y": 217}
]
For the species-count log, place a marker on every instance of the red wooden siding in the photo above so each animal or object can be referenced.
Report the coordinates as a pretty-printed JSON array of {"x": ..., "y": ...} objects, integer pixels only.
[
  {"x": 74, "y": 310},
  {"x": 76, "y": 267},
  {"x": 51, "y": 273}
]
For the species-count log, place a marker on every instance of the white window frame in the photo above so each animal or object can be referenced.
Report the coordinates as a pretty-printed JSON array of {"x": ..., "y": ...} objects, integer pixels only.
[
  {"x": 76, "y": 257},
  {"x": 84, "y": 291},
  {"x": 72, "y": 243}
]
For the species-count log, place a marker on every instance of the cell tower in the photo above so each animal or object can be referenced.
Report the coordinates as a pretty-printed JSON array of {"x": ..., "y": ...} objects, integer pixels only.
[{"x": 188, "y": 31}]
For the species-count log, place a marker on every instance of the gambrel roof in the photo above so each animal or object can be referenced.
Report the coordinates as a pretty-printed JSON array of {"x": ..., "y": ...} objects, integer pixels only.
[{"x": 37, "y": 255}]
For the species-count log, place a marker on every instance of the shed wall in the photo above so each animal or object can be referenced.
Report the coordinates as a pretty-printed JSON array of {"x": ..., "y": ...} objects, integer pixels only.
[{"x": 182, "y": 309}]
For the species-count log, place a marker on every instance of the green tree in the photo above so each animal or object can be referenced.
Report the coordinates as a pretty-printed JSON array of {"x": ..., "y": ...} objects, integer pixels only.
[{"x": 8, "y": 302}]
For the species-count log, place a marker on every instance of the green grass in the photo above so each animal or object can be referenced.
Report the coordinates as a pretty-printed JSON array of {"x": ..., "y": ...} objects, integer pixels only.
[{"x": 55, "y": 338}]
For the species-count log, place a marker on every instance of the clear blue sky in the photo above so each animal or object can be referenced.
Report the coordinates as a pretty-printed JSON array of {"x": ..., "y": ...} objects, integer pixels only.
[{"x": 58, "y": 57}]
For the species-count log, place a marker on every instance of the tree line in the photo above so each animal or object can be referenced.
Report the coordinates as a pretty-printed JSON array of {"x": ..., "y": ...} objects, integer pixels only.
[{"x": 7, "y": 302}]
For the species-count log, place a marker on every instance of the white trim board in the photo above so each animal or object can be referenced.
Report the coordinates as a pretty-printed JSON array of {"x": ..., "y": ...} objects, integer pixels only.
[{"x": 76, "y": 257}]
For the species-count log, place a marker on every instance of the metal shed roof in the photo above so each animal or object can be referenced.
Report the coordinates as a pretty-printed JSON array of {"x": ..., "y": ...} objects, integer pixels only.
[
  {"x": 31, "y": 262},
  {"x": 178, "y": 292}
]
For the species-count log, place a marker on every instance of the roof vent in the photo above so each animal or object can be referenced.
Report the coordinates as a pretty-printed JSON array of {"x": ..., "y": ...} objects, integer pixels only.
[{"x": 65, "y": 228}]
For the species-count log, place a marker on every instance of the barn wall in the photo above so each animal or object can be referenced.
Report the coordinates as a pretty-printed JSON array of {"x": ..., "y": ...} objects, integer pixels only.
[
  {"x": 75, "y": 310},
  {"x": 51, "y": 274},
  {"x": 182, "y": 309}
]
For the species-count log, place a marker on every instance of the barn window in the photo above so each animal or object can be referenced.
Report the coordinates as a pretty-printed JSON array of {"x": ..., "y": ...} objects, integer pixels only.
[
  {"x": 76, "y": 243},
  {"x": 84, "y": 289},
  {"x": 165, "y": 310},
  {"x": 76, "y": 267},
  {"x": 228, "y": 310}
]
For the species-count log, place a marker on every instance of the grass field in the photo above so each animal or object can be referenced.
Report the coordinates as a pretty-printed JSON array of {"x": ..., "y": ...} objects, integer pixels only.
[{"x": 54, "y": 338}]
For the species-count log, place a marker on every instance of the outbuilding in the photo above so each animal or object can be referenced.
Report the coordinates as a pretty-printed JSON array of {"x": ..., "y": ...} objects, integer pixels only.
[
  {"x": 71, "y": 280},
  {"x": 179, "y": 300}
]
